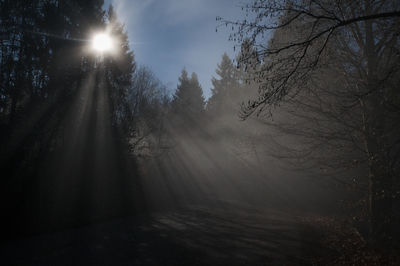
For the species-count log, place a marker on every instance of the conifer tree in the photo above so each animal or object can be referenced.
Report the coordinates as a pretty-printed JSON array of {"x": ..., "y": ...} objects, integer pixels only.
[
  {"x": 224, "y": 88},
  {"x": 119, "y": 69},
  {"x": 188, "y": 102},
  {"x": 58, "y": 123}
]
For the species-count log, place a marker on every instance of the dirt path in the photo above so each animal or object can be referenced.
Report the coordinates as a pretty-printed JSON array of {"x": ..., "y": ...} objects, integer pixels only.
[{"x": 224, "y": 235}]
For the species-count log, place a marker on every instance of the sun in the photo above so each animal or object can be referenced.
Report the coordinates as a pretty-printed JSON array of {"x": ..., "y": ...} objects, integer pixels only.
[{"x": 102, "y": 42}]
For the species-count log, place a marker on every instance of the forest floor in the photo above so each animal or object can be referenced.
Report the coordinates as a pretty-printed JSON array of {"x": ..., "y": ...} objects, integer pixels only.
[{"x": 227, "y": 234}]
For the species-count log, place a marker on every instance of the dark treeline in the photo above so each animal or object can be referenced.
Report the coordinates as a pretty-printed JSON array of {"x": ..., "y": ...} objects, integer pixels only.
[
  {"x": 305, "y": 121},
  {"x": 65, "y": 115}
]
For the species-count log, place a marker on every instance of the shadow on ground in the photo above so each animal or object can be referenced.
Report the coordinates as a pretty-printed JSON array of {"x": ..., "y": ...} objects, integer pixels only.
[{"x": 229, "y": 234}]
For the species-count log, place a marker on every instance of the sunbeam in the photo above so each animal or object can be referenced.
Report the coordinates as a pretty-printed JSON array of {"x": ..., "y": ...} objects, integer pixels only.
[{"x": 199, "y": 132}]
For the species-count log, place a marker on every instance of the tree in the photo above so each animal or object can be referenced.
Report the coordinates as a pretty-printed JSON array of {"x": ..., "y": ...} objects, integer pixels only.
[
  {"x": 225, "y": 88},
  {"x": 119, "y": 68},
  {"x": 318, "y": 21},
  {"x": 356, "y": 41},
  {"x": 188, "y": 101},
  {"x": 149, "y": 104},
  {"x": 42, "y": 59},
  {"x": 59, "y": 108}
]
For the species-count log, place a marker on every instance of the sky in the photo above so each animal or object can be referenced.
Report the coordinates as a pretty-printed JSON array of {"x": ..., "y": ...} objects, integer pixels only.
[{"x": 168, "y": 35}]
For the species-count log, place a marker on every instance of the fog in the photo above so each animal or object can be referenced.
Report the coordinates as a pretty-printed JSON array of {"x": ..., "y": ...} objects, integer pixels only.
[{"x": 290, "y": 158}]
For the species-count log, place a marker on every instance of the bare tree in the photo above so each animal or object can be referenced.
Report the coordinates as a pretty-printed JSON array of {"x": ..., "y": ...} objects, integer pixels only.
[
  {"x": 335, "y": 65},
  {"x": 148, "y": 104},
  {"x": 316, "y": 22}
]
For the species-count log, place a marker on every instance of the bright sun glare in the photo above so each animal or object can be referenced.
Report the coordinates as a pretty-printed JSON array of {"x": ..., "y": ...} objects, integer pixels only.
[{"x": 102, "y": 42}]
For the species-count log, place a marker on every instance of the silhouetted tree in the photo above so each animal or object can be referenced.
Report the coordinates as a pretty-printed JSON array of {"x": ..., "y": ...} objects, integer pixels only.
[
  {"x": 188, "y": 101},
  {"x": 62, "y": 110},
  {"x": 149, "y": 105},
  {"x": 41, "y": 61},
  {"x": 225, "y": 89},
  {"x": 119, "y": 68},
  {"x": 323, "y": 19},
  {"x": 361, "y": 40}
]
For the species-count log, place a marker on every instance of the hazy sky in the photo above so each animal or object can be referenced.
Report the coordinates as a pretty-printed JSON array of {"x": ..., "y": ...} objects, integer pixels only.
[{"x": 167, "y": 35}]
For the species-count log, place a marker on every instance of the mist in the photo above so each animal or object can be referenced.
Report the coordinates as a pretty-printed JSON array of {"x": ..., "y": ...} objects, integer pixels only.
[{"x": 150, "y": 134}]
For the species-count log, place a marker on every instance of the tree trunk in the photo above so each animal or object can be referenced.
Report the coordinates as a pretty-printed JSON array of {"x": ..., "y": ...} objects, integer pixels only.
[
  {"x": 380, "y": 177},
  {"x": 380, "y": 195},
  {"x": 13, "y": 110}
]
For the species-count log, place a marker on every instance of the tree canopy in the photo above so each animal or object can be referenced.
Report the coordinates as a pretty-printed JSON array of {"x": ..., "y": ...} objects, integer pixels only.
[{"x": 188, "y": 101}]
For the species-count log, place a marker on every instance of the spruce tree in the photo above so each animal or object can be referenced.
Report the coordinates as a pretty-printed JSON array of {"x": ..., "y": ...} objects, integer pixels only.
[
  {"x": 58, "y": 122},
  {"x": 119, "y": 68},
  {"x": 225, "y": 88},
  {"x": 188, "y": 102}
]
